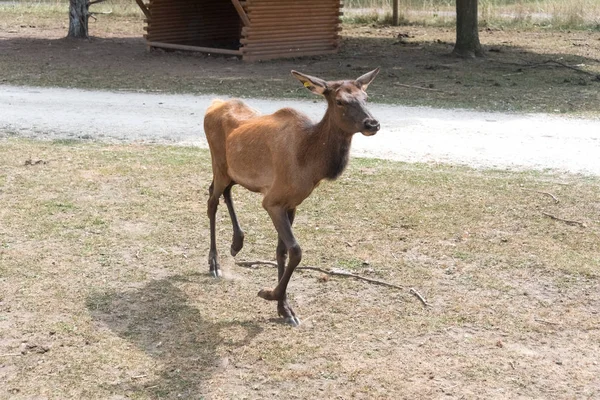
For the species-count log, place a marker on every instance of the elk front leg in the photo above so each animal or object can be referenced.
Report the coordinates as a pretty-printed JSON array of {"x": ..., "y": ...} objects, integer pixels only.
[
  {"x": 283, "y": 308},
  {"x": 287, "y": 244}
]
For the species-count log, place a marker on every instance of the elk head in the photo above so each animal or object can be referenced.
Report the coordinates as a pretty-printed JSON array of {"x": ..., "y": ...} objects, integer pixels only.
[{"x": 347, "y": 101}]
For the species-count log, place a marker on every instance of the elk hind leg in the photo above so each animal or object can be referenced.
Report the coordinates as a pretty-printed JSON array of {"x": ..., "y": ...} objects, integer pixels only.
[
  {"x": 238, "y": 234},
  {"x": 215, "y": 191}
]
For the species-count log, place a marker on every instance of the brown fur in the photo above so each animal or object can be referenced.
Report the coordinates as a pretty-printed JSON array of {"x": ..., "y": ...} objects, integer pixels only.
[{"x": 284, "y": 156}]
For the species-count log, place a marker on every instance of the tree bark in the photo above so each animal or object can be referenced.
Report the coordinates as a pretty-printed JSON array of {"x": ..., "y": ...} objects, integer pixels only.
[
  {"x": 78, "y": 19},
  {"x": 467, "y": 32}
]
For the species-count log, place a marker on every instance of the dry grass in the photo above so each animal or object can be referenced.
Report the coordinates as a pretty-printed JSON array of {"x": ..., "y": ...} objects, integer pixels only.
[
  {"x": 556, "y": 14},
  {"x": 104, "y": 291},
  {"x": 120, "y": 8},
  {"x": 553, "y": 14}
]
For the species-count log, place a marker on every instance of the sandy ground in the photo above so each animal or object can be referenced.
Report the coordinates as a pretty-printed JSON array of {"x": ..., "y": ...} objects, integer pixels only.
[{"x": 490, "y": 140}]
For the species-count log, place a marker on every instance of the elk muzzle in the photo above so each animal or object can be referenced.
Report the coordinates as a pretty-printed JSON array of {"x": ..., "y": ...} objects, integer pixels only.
[{"x": 371, "y": 127}]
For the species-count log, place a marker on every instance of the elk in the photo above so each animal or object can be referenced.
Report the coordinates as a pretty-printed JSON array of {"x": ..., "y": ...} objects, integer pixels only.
[{"x": 283, "y": 156}]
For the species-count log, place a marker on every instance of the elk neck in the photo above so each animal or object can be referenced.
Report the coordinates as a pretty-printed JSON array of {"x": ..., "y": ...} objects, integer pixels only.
[{"x": 325, "y": 149}]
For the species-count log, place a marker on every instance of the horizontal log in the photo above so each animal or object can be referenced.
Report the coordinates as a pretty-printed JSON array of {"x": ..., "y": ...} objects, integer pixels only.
[
  {"x": 194, "y": 48},
  {"x": 292, "y": 8},
  {"x": 186, "y": 39},
  {"x": 269, "y": 32},
  {"x": 290, "y": 25},
  {"x": 275, "y": 3},
  {"x": 293, "y": 19},
  {"x": 250, "y": 57},
  {"x": 289, "y": 39},
  {"x": 295, "y": 47}
]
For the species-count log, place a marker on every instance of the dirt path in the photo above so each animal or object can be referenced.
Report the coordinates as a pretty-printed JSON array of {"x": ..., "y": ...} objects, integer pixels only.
[{"x": 411, "y": 134}]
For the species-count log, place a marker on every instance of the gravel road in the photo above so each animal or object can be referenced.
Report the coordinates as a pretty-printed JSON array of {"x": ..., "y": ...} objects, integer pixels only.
[{"x": 413, "y": 134}]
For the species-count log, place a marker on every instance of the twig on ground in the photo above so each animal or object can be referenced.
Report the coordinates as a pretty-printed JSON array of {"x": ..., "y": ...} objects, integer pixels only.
[
  {"x": 10, "y": 354},
  {"x": 351, "y": 275},
  {"x": 250, "y": 264},
  {"x": 566, "y": 221},
  {"x": 139, "y": 376},
  {"x": 546, "y": 193},
  {"x": 568, "y": 66},
  {"x": 536, "y": 65},
  {"x": 418, "y": 296}
]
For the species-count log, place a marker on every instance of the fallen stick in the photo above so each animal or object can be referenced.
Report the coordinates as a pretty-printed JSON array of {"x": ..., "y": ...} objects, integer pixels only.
[
  {"x": 566, "y": 221},
  {"x": 556, "y": 201},
  {"x": 251, "y": 264},
  {"x": 418, "y": 296},
  {"x": 547, "y": 62}
]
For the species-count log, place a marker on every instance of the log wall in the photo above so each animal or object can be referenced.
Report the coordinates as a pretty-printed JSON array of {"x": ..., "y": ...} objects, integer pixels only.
[
  {"x": 272, "y": 28},
  {"x": 289, "y": 28}
]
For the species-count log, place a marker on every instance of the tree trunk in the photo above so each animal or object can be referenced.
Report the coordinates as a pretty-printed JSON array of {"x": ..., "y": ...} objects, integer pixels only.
[
  {"x": 78, "y": 19},
  {"x": 467, "y": 33}
]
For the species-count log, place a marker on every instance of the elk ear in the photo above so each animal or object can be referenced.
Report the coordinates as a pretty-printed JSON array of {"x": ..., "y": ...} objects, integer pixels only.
[
  {"x": 366, "y": 79},
  {"x": 315, "y": 85}
]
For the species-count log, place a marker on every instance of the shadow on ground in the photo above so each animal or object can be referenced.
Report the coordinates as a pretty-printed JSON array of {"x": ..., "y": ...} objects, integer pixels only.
[
  {"x": 523, "y": 71},
  {"x": 158, "y": 320}
]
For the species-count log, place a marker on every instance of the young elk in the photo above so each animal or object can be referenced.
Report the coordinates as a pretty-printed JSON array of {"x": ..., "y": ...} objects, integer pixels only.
[{"x": 284, "y": 156}]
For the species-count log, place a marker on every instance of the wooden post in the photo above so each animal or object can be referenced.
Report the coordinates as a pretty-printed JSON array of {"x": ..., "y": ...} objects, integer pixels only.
[{"x": 395, "y": 16}]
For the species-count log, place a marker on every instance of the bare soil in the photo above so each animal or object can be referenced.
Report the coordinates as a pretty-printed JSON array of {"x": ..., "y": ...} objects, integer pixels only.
[
  {"x": 105, "y": 292},
  {"x": 530, "y": 70}
]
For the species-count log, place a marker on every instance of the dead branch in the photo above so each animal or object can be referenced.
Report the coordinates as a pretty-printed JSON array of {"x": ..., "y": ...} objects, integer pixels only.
[
  {"x": 418, "y": 296},
  {"x": 556, "y": 201},
  {"x": 351, "y": 275},
  {"x": 541, "y": 64},
  {"x": 95, "y": 2},
  {"x": 569, "y": 67},
  {"x": 566, "y": 221},
  {"x": 251, "y": 264},
  {"x": 333, "y": 272}
]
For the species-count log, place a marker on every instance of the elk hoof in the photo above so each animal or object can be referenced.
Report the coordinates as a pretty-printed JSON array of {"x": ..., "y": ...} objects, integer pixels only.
[
  {"x": 267, "y": 294},
  {"x": 236, "y": 244},
  {"x": 215, "y": 269},
  {"x": 293, "y": 321}
]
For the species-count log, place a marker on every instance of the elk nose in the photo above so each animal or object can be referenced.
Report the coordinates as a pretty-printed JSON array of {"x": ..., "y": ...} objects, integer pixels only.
[{"x": 372, "y": 125}]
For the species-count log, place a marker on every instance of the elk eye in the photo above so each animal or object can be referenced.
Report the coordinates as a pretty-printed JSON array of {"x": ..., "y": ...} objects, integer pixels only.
[{"x": 339, "y": 103}]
